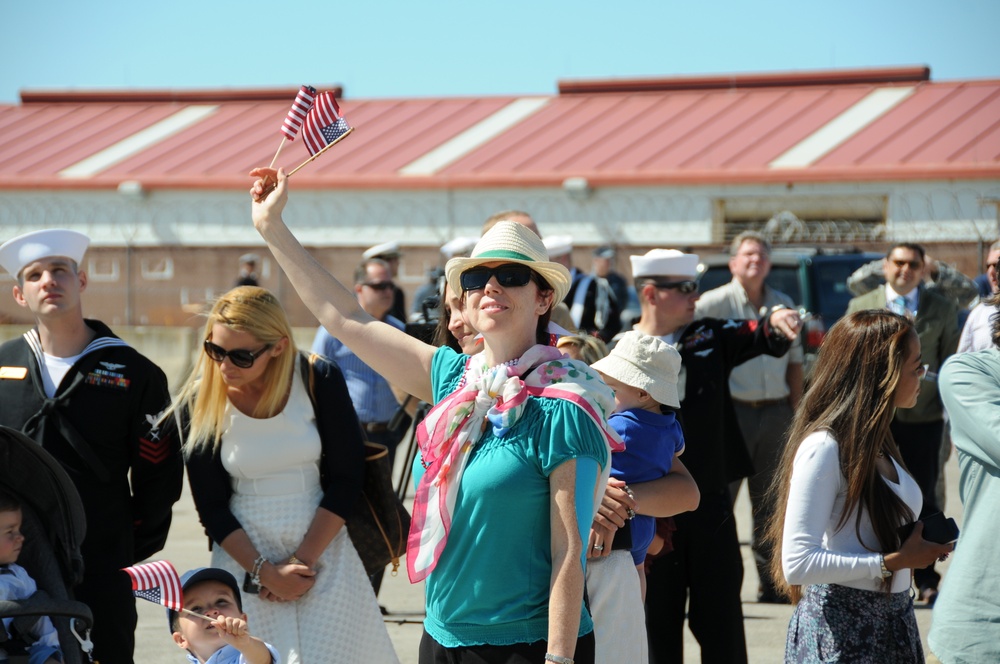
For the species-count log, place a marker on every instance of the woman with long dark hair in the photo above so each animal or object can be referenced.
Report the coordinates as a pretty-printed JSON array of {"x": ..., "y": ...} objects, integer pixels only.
[
  {"x": 452, "y": 329},
  {"x": 841, "y": 493}
]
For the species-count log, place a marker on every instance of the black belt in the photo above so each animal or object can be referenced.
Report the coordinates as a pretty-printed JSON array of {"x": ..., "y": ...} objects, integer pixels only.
[
  {"x": 375, "y": 427},
  {"x": 623, "y": 537},
  {"x": 762, "y": 403}
]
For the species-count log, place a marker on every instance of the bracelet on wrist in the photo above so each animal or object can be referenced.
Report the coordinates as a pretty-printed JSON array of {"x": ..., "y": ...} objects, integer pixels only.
[
  {"x": 558, "y": 659},
  {"x": 293, "y": 560},
  {"x": 886, "y": 573},
  {"x": 255, "y": 571},
  {"x": 629, "y": 510}
]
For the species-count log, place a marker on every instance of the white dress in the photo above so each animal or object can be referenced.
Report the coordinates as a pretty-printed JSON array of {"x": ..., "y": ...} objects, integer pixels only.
[{"x": 274, "y": 469}]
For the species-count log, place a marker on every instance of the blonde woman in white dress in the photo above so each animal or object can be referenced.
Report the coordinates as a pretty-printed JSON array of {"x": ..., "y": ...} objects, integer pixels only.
[{"x": 273, "y": 484}]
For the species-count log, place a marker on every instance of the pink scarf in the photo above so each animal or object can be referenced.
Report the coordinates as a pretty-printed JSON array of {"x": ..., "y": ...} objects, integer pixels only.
[{"x": 489, "y": 396}]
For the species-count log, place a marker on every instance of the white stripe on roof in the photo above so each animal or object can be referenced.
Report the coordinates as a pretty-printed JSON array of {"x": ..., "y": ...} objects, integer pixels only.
[
  {"x": 838, "y": 130},
  {"x": 138, "y": 142},
  {"x": 475, "y": 136}
]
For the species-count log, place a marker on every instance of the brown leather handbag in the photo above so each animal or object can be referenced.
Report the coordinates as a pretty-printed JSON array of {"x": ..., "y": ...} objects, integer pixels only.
[{"x": 380, "y": 524}]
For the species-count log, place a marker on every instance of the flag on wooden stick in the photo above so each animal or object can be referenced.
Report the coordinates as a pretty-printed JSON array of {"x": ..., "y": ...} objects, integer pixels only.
[
  {"x": 297, "y": 113},
  {"x": 323, "y": 124},
  {"x": 157, "y": 582}
]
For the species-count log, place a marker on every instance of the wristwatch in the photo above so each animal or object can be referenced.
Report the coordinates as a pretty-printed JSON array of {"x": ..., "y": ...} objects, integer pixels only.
[{"x": 886, "y": 574}]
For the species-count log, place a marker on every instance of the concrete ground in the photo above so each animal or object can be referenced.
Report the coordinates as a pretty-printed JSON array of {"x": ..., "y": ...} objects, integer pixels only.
[{"x": 765, "y": 624}]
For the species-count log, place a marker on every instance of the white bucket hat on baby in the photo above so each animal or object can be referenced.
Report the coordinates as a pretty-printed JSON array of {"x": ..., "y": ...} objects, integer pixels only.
[{"x": 646, "y": 363}]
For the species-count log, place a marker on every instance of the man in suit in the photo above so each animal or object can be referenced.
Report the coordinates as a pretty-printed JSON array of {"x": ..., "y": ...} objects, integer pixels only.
[{"x": 918, "y": 431}]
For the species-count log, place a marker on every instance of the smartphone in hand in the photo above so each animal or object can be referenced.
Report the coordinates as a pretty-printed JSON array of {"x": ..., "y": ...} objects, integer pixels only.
[{"x": 937, "y": 528}]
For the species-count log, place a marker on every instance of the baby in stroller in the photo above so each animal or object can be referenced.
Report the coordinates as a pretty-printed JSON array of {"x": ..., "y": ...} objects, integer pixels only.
[
  {"x": 41, "y": 502},
  {"x": 16, "y": 584}
]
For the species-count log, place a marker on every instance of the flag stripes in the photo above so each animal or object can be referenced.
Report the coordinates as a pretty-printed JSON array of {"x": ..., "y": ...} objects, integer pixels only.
[
  {"x": 297, "y": 113},
  {"x": 157, "y": 582},
  {"x": 323, "y": 124}
]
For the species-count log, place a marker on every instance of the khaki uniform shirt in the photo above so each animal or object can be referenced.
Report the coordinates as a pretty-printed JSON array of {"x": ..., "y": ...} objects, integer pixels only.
[{"x": 762, "y": 378}]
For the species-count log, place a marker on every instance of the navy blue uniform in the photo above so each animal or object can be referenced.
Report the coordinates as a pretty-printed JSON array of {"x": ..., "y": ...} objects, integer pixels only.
[
  {"x": 705, "y": 562},
  {"x": 102, "y": 427}
]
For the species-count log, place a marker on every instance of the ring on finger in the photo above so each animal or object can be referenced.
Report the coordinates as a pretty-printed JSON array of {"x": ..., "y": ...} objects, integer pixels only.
[
  {"x": 598, "y": 547},
  {"x": 630, "y": 512}
]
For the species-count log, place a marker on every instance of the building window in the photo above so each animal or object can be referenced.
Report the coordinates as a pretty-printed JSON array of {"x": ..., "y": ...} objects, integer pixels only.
[
  {"x": 157, "y": 269},
  {"x": 103, "y": 268},
  {"x": 821, "y": 219}
]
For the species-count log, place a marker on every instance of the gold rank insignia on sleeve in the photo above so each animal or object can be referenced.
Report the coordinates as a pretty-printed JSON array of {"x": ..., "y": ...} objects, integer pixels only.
[{"x": 13, "y": 373}]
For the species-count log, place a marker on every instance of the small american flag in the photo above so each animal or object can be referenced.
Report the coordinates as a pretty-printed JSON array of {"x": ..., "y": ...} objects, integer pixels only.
[
  {"x": 157, "y": 582},
  {"x": 323, "y": 123},
  {"x": 297, "y": 113}
]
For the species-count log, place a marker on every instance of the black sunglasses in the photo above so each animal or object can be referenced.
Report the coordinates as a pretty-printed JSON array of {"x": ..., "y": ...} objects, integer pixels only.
[
  {"x": 914, "y": 265},
  {"x": 241, "y": 358},
  {"x": 379, "y": 285},
  {"x": 685, "y": 287},
  {"x": 509, "y": 275}
]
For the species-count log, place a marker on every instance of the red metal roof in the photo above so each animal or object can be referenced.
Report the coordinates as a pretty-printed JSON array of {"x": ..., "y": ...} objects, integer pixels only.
[{"x": 687, "y": 130}]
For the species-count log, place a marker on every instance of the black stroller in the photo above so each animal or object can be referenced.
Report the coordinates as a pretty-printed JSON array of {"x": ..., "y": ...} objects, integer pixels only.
[{"x": 53, "y": 527}]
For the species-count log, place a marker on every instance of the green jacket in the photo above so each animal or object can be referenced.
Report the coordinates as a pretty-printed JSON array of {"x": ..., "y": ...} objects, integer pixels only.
[{"x": 937, "y": 327}]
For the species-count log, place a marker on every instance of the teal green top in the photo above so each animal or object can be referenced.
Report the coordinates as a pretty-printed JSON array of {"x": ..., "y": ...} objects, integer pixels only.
[
  {"x": 965, "y": 625},
  {"x": 491, "y": 583}
]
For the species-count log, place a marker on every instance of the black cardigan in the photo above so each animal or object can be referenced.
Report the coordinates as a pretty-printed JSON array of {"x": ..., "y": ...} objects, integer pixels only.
[{"x": 341, "y": 463}]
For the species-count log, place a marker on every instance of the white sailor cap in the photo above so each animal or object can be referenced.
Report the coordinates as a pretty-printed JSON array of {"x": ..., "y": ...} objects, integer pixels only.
[
  {"x": 460, "y": 246},
  {"x": 384, "y": 250},
  {"x": 28, "y": 248},
  {"x": 665, "y": 262},
  {"x": 558, "y": 245}
]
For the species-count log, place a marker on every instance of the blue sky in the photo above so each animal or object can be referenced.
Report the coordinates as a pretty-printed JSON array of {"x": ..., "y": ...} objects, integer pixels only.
[{"x": 448, "y": 48}]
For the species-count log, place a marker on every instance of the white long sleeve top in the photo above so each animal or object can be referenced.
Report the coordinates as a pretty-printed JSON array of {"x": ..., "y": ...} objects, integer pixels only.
[{"x": 813, "y": 550}]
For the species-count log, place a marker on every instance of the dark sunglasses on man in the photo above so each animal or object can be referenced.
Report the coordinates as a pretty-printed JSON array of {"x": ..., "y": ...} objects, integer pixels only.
[
  {"x": 379, "y": 285},
  {"x": 685, "y": 287},
  {"x": 240, "y": 357},
  {"x": 508, "y": 275},
  {"x": 914, "y": 265}
]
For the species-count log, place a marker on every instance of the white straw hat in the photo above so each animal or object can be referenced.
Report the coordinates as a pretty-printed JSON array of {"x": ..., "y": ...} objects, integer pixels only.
[
  {"x": 646, "y": 363},
  {"x": 28, "y": 248},
  {"x": 508, "y": 242}
]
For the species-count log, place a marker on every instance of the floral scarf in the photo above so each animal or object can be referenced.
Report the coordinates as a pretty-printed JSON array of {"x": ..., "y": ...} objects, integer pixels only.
[{"x": 489, "y": 396}]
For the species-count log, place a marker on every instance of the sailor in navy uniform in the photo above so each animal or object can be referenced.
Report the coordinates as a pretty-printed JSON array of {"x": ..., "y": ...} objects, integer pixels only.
[
  {"x": 94, "y": 403},
  {"x": 702, "y": 576}
]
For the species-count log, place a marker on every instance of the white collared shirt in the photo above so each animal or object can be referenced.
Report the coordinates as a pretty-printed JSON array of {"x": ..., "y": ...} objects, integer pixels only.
[
  {"x": 912, "y": 300},
  {"x": 764, "y": 377}
]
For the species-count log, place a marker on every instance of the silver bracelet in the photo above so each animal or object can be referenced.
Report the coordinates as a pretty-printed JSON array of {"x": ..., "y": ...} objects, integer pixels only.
[
  {"x": 255, "y": 572},
  {"x": 629, "y": 510},
  {"x": 886, "y": 574},
  {"x": 558, "y": 659}
]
